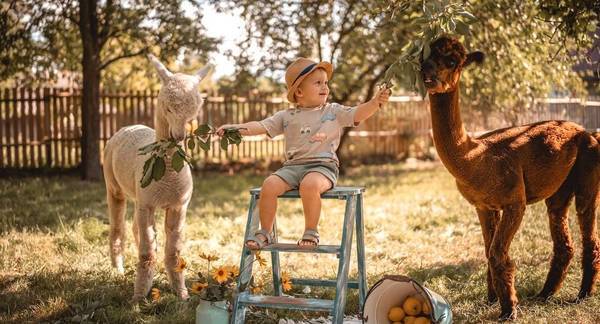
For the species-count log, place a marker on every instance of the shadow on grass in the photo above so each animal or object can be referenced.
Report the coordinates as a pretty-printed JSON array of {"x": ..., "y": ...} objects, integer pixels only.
[{"x": 85, "y": 297}]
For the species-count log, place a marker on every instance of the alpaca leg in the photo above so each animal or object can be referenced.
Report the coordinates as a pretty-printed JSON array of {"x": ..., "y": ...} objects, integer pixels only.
[
  {"x": 116, "y": 210},
  {"x": 489, "y": 222},
  {"x": 503, "y": 268},
  {"x": 586, "y": 202},
  {"x": 146, "y": 253},
  {"x": 558, "y": 212},
  {"x": 174, "y": 224},
  {"x": 135, "y": 228}
]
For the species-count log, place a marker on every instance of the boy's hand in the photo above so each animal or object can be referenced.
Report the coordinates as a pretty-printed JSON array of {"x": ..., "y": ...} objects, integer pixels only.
[
  {"x": 382, "y": 96},
  {"x": 221, "y": 130}
]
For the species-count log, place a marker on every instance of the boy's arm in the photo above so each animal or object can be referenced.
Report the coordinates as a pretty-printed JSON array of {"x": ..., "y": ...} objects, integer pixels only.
[
  {"x": 367, "y": 109},
  {"x": 246, "y": 129}
]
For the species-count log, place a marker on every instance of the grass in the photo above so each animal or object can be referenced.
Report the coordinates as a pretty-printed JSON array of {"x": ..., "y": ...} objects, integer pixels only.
[{"x": 54, "y": 261}]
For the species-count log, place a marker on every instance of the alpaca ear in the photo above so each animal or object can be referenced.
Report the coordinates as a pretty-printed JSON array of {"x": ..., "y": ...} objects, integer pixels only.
[
  {"x": 163, "y": 73},
  {"x": 476, "y": 57},
  {"x": 201, "y": 74}
]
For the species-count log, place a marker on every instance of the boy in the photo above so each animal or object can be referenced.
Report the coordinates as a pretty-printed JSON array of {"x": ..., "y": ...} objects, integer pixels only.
[{"x": 312, "y": 131}]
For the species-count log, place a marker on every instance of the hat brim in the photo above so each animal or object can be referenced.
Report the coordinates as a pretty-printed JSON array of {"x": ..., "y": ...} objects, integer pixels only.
[{"x": 323, "y": 65}]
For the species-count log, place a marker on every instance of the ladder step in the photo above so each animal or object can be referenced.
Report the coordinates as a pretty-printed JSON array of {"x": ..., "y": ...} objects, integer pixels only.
[
  {"x": 322, "y": 283},
  {"x": 286, "y": 302},
  {"x": 292, "y": 247}
]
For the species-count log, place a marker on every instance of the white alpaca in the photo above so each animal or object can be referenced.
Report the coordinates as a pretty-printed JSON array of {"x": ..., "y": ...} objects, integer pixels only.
[{"x": 179, "y": 102}]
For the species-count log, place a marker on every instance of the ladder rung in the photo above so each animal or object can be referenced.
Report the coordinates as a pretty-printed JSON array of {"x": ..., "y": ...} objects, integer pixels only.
[
  {"x": 322, "y": 283},
  {"x": 292, "y": 247},
  {"x": 286, "y": 302}
]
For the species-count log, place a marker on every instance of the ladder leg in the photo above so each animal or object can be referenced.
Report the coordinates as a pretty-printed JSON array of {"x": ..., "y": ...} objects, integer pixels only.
[
  {"x": 360, "y": 251},
  {"x": 344, "y": 264},
  {"x": 275, "y": 265},
  {"x": 247, "y": 258}
]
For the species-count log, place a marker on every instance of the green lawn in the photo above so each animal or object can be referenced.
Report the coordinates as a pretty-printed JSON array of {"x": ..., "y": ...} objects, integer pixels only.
[{"x": 54, "y": 261}]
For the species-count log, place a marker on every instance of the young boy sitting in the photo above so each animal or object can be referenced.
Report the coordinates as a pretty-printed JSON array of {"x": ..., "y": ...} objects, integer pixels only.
[{"x": 312, "y": 131}]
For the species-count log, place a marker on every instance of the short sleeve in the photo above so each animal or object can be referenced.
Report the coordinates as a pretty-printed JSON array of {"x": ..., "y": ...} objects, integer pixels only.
[
  {"x": 344, "y": 115},
  {"x": 274, "y": 124}
]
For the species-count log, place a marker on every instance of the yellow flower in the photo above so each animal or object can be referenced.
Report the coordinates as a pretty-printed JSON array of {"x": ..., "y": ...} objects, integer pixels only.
[
  {"x": 234, "y": 271},
  {"x": 180, "y": 264},
  {"x": 286, "y": 283},
  {"x": 256, "y": 289},
  {"x": 221, "y": 274},
  {"x": 260, "y": 260},
  {"x": 155, "y": 294},
  {"x": 209, "y": 257},
  {"x": 197, "y": 287}
]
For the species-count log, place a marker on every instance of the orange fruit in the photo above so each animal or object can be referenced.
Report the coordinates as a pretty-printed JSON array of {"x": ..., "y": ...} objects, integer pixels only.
[
  {"x": 422, "y": 320},
  {"x": 409, "y": 320},
  {"x": 396, "y": 314},
  {"x": 426, "y": 309},
  {"x": 412, "y": 306}
]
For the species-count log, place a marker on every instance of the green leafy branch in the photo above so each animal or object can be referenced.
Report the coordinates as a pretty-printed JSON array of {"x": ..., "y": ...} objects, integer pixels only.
[
  {"x": 439, "y": 18},
  {"x": 155, "y": 166}
]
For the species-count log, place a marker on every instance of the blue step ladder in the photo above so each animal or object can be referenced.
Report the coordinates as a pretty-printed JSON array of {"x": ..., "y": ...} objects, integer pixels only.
[{"x": 353, "y": 216}]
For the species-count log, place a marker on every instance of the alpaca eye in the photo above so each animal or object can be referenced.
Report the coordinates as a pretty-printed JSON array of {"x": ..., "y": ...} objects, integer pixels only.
[{"x": 452, "y": 63}]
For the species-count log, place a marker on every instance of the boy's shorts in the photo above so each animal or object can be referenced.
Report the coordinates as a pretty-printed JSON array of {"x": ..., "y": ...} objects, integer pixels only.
[{"x": 293, "y": 174}]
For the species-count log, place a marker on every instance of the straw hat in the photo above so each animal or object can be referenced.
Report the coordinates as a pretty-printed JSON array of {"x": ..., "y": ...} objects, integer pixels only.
[{"x": 298, "y": 70}]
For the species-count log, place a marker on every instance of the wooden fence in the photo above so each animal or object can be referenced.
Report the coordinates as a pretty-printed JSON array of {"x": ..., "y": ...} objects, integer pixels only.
[{"x": 41, "y": 128}]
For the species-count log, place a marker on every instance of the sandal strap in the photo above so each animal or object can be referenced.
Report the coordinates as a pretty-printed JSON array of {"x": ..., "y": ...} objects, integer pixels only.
[
  {"x": 261, "y": 242},
  {"x": 310, "y": 235}
]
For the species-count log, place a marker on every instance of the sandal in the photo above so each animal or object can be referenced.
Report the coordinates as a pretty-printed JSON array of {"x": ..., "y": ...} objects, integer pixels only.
[
  {"x": 311, "y": 237},
  {"x": 265, "y": 239}
]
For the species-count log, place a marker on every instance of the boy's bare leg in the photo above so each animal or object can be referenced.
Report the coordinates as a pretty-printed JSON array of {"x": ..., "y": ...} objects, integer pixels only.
[
  {"x": 272, "y": 187},
  {"x": 311, "y": 187}
]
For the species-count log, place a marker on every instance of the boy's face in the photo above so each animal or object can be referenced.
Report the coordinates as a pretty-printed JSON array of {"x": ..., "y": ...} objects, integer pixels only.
[{"x": 313, "y": 90}]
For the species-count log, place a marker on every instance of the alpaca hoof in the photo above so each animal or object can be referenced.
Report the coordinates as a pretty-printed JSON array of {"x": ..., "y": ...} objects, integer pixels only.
[
  {"x": 583, "y": 294},
  {"x": 509, "y": 315},
  {"x": 118, "y": 264},
  {"x": 183, "y": 294}
]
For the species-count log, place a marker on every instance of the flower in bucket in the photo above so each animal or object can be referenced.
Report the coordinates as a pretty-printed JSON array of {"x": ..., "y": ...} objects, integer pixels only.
[{"x": 221, "y": 274}]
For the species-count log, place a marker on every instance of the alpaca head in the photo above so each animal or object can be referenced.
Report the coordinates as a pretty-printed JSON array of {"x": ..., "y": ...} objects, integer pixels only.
[
  {"x": 441, "y": 70},
  {"x": 179, "y": 100}
]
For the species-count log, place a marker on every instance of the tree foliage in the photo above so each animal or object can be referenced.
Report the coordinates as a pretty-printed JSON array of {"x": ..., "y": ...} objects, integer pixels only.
[
  {"x": 362, "y": 38},
  {"x": 37, "y": 40}
]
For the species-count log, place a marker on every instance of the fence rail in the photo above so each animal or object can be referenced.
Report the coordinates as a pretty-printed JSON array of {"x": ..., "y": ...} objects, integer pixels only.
[{"x": 41, "y": 127}]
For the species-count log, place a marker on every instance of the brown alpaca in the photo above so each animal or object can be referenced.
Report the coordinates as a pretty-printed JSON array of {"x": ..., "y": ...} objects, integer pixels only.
[{"x": 507, "y": 169}]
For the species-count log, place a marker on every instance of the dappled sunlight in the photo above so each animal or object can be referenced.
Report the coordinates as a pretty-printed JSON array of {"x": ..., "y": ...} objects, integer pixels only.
[{"x": 416, "y": 224}]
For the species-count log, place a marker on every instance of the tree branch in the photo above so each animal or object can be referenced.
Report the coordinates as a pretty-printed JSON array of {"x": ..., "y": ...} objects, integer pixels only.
[
  {"x": 114, "y": 59},
  {"x": 105, "y": 31}
]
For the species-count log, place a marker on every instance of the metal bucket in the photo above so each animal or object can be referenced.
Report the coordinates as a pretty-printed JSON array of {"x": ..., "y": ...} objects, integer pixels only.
[{"x": 392, "y": 290}]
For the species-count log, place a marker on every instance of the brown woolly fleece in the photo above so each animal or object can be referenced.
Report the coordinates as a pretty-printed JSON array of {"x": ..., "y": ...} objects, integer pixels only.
[{"x": 501, "y": 172}]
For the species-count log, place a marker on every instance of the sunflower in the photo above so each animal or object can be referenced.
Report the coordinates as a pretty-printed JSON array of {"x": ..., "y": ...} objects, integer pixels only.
[
  {"x": 209, "y": 257},
  {"x": 155, "y": 294},
  {"x": 256, "y": 289},
  {"x": 180, "y": 266},
  {"x": 221, "y": 274},
  {"x": 260, "y": 260},
  {"x": 286, "y": 282},
  {"x": 197, "y": 287},
  {"x": 234, "y": 271}
]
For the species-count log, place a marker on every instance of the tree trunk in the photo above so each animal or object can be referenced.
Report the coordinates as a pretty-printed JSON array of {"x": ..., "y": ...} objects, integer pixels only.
[{"x": 90, "y": 99}]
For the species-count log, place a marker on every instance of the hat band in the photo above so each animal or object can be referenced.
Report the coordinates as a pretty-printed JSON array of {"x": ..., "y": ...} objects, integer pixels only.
[{"x": 306, "y": 70}]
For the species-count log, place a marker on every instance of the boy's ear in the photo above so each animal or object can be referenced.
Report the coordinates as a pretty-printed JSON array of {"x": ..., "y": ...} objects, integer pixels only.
[
  {"x": 474, "y": 57},
  {"x": 298, "y": 92}
]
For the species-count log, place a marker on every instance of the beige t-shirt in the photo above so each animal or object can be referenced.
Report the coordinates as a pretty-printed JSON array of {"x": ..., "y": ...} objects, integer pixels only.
[{"x": 311, "y": 134}]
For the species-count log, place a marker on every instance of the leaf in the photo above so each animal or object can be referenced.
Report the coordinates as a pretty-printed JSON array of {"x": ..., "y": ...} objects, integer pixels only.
[
  {"x": 224, "y": 143},
  {"x": 462, "y": 28},
  {"x": 205, "y": 146},
  {"x": 421, "y": 86},
  {"x": 159, "y": 168},
  {"x": 451, "y": 25},
  {"x": 426, "y": 50},
  {"x": 148, "y": 148},
  {"x": 177, "y": 161},
  {"x": 191, "y": 144},
  {"x": 467, "y": 15},
  {"x": 203, "y": 130},
  {"x": 148, "y": 170}
]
